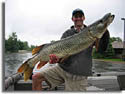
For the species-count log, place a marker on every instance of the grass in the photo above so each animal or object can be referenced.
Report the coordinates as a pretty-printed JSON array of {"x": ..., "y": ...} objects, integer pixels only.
[{"x": 114, "y": 59}]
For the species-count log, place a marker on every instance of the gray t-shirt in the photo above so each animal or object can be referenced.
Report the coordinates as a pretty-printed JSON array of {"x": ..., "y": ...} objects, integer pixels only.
[
  {"x": 81, "y": 63},
  {"x": 78, "y": 64}
]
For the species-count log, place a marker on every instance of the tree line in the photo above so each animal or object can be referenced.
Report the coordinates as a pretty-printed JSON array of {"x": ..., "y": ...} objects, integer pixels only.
[
  {"x": 13, "y": 44},
  {"x": 109, "y": 53}
]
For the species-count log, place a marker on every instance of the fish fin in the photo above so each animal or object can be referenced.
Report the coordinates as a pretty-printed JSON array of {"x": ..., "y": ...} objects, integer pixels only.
[
  {"x": 97, "y": 44},
  {"x": 64, "y": 58},
  {"x": 37, "y": 49},
  {"x": 27, "y": 73},
  {"x": 23, "y": 67},
  {"x": 42, "y": 63},
  {"x": 26, "y": 70}
]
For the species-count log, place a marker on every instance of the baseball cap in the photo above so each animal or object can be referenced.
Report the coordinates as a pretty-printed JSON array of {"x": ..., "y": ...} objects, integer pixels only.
[{"x": 77, "y": 11}]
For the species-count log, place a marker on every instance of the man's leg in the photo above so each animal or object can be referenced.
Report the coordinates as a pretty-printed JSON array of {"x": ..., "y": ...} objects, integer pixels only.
[
  {"x": 75, "y": 82},
  {"x": 53, "y": 76},
  {"x": 76, "y": 85},
  {"x": 37, "y": 81}
]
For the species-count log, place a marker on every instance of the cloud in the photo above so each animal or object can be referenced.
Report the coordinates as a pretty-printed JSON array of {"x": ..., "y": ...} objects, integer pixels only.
[{"x": 40, "y": 21}]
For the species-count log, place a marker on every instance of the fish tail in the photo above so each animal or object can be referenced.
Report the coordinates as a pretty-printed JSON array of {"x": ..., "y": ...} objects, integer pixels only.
[
  {"x": 26, "y": 69},
  {"x": 27, "y": 73}
]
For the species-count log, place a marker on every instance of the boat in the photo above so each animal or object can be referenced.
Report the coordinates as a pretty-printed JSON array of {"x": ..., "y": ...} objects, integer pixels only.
[{"x": 107, "y": 81}]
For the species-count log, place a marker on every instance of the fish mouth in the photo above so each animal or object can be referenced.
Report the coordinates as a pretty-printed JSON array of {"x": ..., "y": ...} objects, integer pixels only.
[
  {"x": 109, "y": 15},
  {"x": 112, "y": 17},
  {"x": 108, "y": 18}
]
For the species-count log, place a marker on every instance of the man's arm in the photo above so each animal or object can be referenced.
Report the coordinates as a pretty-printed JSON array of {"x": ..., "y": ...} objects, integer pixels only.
[
  {"x": 103, "y": 43},
  {"x": 54, "y": 58}
]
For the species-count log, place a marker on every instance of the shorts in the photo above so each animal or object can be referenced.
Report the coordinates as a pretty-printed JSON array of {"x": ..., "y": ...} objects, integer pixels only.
[{"x": 55, "y": 76}]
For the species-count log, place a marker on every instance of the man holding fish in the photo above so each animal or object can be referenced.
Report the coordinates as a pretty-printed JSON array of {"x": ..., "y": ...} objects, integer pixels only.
[{"x": 72, "y": 70}]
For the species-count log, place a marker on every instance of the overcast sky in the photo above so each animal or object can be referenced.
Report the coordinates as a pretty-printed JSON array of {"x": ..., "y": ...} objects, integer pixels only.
[{"x": 40, "y": 21}]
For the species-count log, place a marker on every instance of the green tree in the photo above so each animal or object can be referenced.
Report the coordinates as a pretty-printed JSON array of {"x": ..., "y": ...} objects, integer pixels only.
[
  {"x": 21, "y": 46},
  {"x": 31, "y": 47},
  {"x": 26, "y": 47},
  {"x": 112, "y": 39},
  {"x": 109, "y": 53},
  {"x": 11, "y": 44},
  {"x": 6, "y": 45}
]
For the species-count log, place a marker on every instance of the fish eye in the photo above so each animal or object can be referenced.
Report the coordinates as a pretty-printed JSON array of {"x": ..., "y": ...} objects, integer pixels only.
[{"x": 101, "y": 21}]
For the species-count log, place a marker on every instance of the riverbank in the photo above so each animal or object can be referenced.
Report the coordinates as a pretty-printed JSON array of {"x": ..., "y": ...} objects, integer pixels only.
[
  {"x": 111, "y": 60},
  {"x": 24, "y": 51},
  {"x": 19, "y": 51}
]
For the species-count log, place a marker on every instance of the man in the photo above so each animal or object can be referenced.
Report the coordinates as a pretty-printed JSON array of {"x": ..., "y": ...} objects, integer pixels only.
[{"x": 74, "y": 70}]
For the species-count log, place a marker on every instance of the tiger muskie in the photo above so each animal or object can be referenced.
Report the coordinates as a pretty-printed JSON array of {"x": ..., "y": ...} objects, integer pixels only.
[{"x": 67, "y": 46}]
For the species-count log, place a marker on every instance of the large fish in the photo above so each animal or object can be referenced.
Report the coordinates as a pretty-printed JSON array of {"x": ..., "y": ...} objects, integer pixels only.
[{"x": 67, "y": 46}]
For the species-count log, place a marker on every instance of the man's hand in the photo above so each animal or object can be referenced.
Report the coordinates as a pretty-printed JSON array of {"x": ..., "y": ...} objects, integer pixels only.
[{"x": 53, "y": 59}]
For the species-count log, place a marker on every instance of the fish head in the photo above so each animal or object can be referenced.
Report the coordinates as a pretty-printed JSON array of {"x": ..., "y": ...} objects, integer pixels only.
[
  {"x": 105, "y": 21},
  {"x": 100, "y": 26}
]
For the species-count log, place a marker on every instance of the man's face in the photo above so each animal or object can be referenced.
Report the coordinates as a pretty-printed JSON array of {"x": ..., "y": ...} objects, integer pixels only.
[{"x": 78, "y": 19}]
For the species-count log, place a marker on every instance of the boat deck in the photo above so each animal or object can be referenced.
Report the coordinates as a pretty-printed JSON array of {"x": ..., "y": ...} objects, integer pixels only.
[{"x": 97, "y": 82}]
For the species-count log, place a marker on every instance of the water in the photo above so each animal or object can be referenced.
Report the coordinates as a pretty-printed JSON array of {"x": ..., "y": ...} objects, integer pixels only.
[
  {"x": 101, "y": 66},
  {"x": 14, "y": 60}
]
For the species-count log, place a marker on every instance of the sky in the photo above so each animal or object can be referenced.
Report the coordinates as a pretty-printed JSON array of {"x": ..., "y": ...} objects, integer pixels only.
[{"x": 41, "y": 21}]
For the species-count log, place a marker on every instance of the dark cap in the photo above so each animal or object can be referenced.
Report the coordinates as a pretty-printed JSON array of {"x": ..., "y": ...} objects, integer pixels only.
[{"x": 77, "y": 11}]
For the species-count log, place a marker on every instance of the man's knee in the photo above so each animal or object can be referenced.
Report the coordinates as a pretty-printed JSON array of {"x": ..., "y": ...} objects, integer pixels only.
[
  {"x": 36, "y": 81},
  {"x": 38, "y": 77}
]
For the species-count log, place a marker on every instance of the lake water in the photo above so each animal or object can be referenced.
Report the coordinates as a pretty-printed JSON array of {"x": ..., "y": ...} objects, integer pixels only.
[{"x": 12, "y": 61}]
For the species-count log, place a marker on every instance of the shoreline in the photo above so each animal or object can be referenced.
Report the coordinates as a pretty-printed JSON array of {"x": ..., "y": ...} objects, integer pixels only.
[
  {"x": 21, "y": 51},
  {"x": 108, "y": 61}
]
